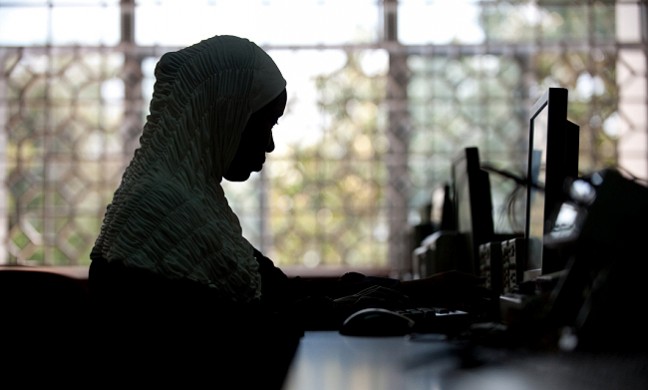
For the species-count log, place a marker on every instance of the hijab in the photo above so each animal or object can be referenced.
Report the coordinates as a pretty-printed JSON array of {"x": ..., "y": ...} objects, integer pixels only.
[{"x": 169, "y": 214}]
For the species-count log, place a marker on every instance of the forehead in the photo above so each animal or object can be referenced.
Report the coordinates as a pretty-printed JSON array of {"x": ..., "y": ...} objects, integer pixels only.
[
  {"x": 278, "y": 105},
  {"x": 271, "y": 111}
]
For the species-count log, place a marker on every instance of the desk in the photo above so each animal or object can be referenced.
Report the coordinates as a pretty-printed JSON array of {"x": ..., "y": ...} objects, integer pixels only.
[
  {"x": 328, "y": 361},
  {"x": 79, "y": 272}
]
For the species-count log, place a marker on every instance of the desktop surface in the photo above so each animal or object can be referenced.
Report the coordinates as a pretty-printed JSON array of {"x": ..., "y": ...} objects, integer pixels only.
[{"x": 328, "y": 360}]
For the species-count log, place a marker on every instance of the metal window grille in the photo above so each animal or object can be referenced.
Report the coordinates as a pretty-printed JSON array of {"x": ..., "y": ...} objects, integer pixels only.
[{"x": 371, "y": 136}]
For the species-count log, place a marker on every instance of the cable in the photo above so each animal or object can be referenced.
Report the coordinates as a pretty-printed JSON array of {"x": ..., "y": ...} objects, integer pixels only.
[{"x": 518, "y": 179}]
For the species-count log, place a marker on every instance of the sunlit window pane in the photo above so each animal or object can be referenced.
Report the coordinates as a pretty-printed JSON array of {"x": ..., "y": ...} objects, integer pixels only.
[
  {"x": 23, "y": 26},
  {"x": 85, "y": 25},
  {"x": 265, "y": 22},
  {"x": 423, "y": 21}
]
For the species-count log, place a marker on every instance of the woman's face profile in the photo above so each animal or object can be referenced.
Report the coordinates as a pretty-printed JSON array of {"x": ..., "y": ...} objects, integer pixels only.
[{"x": 256, "y": 140}]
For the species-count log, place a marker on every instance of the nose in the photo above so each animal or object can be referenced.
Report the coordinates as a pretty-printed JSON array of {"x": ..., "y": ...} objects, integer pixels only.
[{"x": 271, "y": 145}]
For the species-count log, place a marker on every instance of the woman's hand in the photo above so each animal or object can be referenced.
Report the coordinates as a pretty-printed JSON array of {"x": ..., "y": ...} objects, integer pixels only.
[{"x": 374, "y": 296}]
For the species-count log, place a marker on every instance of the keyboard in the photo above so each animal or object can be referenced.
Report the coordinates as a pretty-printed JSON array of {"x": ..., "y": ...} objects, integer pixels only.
[{"x": 437, "y": 320}]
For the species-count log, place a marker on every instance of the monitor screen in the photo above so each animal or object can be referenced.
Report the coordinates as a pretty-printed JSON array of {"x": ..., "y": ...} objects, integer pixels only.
[
  {"x": 536, "y": 201},
  {"x": 552, "y": 158},
  {"x": 441, "y": 214},
  {"x": 473, "y": 204}
]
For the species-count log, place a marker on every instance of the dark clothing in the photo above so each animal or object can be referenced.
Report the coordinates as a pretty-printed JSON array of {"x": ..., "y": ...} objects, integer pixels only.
[
  {"x": 142, "y": 294},
  {"x": 159, "y": 328}
]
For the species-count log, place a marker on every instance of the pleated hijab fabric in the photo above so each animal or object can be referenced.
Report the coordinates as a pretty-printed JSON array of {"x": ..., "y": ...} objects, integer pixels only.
[{"x": 169, "y": 214}]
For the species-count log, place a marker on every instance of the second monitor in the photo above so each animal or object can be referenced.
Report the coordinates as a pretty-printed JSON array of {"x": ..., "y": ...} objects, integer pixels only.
[
  {"x": 552, "y": 158},
  {"x": 473, "y": 205}
]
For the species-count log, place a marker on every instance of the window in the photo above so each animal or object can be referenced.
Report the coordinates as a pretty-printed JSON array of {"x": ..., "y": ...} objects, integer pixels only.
[{"x": 379, "y": 103}]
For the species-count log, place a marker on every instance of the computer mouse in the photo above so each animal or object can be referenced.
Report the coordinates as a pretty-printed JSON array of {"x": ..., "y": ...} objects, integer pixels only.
[{"x": 376, "y": 322}]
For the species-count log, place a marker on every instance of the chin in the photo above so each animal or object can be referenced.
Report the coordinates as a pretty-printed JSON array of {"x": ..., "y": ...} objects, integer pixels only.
[
  {"x": 238, "y": 177},
  {"x": 242, "y": 174}
]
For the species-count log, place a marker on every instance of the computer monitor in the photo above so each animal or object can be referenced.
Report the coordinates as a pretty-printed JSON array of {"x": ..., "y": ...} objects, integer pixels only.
[
  {"x": 552, "y": 158},
  {"x": 473, "y": 205},
  {"x": 442, "y": 209}
]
